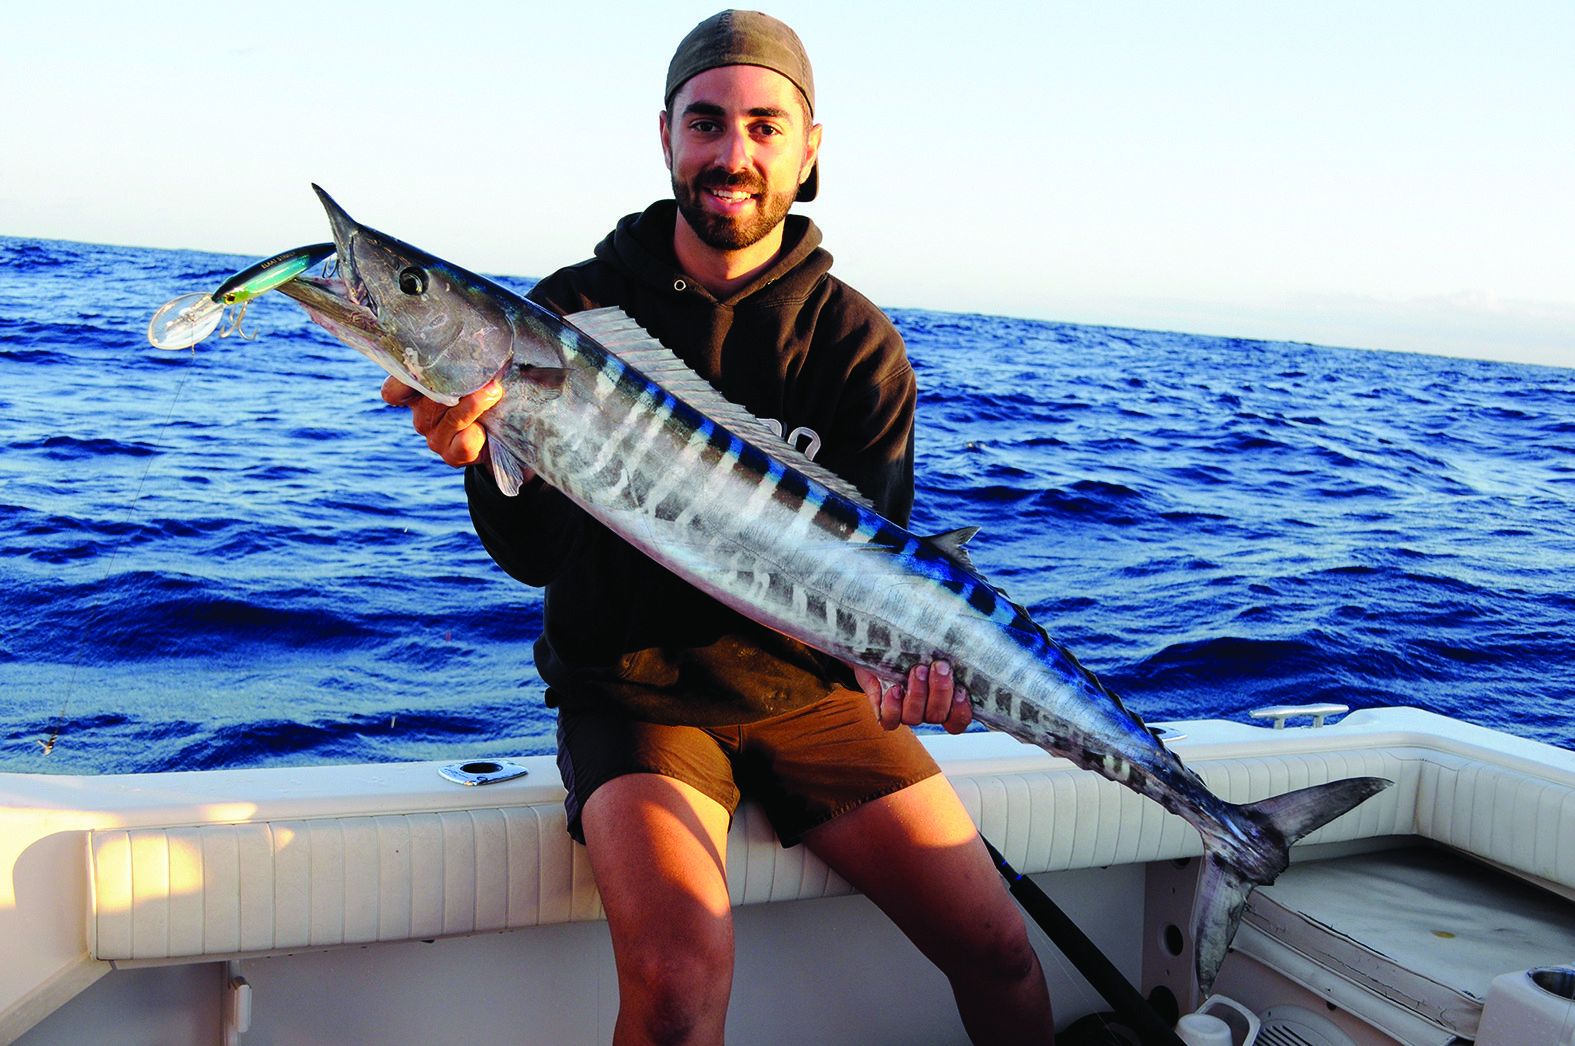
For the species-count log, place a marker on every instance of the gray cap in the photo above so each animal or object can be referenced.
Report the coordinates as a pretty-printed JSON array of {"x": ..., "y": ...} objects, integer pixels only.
[{"x": 746, "y": 38}]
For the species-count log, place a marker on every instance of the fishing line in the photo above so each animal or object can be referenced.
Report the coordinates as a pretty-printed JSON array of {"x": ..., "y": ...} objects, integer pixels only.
[
  {"x": 181, "y": 323},
  {"x": 1093, "y": 1006},
  {"x": 57, "y": 724}
]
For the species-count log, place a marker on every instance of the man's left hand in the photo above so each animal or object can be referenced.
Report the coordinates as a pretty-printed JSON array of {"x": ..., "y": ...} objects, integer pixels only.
[{"x": 930, "y": 696}]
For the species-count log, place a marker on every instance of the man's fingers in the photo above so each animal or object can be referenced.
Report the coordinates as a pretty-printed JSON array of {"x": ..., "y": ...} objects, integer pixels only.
[
  {"x": 931, "y": 694},
  {"x": 397, "y": 394},
  {"x": 469, "y": 408},
  {"x": 960, "y": 714},
  {"x": 464, "y": 447},
  {"x": 917, "y": 698},
  {"x": 438, "y": 422},
  {"x": 869, "y": 682},
  {"x": 938, "y": 706},
  {"x": 948, "y": 702},
  {"x": 891, "y": 708},
  {"x": 451, "y": 431}
]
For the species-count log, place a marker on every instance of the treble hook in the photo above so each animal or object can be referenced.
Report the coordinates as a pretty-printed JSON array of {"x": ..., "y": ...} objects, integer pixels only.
[{"x": 237, "y": 315}]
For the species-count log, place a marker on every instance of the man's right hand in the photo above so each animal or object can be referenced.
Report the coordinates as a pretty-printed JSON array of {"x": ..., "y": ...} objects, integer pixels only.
[
  {"x": 451, "y": 432},
  {"x": 930, "y": 695}
]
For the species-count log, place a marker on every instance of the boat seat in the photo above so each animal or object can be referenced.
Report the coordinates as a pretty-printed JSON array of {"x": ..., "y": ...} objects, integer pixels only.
[
  {"x": 270, "y": 885},
  {"x": 1409, "y": 939},
  {"x": 411, "y": 863}
]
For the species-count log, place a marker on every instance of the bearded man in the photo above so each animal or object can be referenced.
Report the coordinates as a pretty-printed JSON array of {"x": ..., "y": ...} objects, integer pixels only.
[{"x": 670, "y": 705}]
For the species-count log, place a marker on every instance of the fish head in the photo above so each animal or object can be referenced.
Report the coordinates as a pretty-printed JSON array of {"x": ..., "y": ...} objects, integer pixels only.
[{"x": 438, "y": 328}]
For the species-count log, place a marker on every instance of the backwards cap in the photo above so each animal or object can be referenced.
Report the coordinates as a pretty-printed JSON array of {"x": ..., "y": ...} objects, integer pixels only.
[{"x": 746, "y": 38}]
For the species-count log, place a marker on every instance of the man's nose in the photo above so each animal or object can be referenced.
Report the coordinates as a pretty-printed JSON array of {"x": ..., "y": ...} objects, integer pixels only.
[{"x": 733, "y": 151}]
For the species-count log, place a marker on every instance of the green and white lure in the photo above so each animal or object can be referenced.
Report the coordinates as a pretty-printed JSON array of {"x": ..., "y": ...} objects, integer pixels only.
[{"x": 184, "y": 321}]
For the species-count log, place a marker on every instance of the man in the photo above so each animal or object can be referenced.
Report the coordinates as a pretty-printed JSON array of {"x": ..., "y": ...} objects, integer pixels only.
[{"x": 669, "y": 703}]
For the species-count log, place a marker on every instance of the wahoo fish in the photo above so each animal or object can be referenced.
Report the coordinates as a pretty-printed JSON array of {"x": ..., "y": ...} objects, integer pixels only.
[{"x": 625, "y": 429}]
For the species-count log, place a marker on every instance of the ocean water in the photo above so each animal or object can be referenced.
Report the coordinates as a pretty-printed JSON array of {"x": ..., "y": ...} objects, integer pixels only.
[{"x": 238, "y": 556}]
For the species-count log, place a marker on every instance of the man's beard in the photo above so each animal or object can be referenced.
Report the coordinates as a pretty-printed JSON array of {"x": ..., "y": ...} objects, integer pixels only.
[{"x": 719, "y": 231}]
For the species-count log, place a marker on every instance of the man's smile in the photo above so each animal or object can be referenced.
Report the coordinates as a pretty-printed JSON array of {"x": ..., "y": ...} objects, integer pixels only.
[{"x": 731, "y": 190}]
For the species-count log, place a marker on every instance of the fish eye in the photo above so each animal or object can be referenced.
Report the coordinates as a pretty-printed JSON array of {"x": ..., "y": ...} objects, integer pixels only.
[{"x": 413, "y": 280}]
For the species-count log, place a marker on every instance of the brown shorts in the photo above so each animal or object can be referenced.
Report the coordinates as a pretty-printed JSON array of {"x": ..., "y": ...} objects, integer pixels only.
[{"x": 805, "y": 767}]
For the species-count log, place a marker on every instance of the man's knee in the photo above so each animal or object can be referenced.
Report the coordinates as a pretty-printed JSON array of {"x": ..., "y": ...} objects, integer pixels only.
[
  {"x": 674, "y": 988},
  {"x": 1000, "y": 954},
  {"x": 1016, "y": 959},
  {"x": 678, "y": 968}
]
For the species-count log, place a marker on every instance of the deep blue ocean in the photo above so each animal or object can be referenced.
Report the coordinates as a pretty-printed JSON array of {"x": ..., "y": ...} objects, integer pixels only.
[{"x": 239, "y": 556}]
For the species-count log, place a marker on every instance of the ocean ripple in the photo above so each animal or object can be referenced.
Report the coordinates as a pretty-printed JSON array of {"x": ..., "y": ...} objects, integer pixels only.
[{"x": 238, "y": 556}]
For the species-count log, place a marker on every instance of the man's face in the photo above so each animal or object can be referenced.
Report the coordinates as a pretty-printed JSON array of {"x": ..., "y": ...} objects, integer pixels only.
[{"x": 738, "y": 143}]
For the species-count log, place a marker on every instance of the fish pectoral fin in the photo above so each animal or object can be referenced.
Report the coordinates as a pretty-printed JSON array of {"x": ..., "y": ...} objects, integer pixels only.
[{"x": 507, "y": 471}]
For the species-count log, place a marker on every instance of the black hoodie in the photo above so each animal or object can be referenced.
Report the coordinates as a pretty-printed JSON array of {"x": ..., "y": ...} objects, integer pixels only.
[{"x": 795, "y": 345}]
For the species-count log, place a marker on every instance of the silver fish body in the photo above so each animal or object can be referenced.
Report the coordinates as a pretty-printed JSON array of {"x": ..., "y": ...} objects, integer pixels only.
[{"x": 625, "y": 430}]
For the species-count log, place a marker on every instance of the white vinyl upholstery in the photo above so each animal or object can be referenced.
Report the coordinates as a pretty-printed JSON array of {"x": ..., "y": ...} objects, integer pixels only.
[
  {"x": 274, "y": 886},
  {"x": 1503, "y": 815},
  {"x": 178, "y": 892}
]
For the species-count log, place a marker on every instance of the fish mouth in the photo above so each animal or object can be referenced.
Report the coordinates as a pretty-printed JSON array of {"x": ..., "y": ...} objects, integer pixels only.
[
  {"x": 344, "y": 305},
  {"x": 342, "y": 300},
  {"x": 336, "y": 307},
  {"x": 346, "y": 231},
  {"x": 439, "y": 329},
  {"x": 332, "y": 303}
]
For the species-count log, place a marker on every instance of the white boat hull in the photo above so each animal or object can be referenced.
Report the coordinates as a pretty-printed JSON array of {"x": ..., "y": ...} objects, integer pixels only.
[{"x": 135, "y": 901}]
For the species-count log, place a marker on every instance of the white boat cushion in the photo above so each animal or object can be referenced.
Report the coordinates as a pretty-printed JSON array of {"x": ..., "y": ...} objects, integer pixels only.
[
  {"x": 1420, "y": 927},
  {"x": 271, "y": 885}
]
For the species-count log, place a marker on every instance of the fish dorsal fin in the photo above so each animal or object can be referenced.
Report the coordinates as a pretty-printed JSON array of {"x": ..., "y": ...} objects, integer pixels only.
[
  {"x": 952, "y": 545},
  {"x": 615, "y": 331}
]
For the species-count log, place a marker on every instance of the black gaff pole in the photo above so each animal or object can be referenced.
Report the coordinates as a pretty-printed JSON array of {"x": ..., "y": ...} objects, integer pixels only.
[{"x": 1086, "y": 956}]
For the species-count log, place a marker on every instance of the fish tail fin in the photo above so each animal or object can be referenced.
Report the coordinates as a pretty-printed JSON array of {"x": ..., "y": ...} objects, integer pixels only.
[{"x": 1267, "y": 829}]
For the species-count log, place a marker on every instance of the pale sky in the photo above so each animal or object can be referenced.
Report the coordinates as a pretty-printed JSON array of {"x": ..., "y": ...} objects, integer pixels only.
[{"x": 1372, "y": 174}]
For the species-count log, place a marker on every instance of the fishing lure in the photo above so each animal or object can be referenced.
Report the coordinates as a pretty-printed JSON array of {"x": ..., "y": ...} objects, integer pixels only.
[{"x": 184, "y": 321}]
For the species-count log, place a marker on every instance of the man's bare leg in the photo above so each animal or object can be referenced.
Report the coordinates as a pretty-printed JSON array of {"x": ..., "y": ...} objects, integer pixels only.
[
  {"x": 917, "y": 855},
  {"x": 658, "y": 849}
]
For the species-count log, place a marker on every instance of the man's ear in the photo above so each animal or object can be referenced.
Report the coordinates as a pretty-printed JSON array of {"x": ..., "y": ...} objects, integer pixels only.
[{"x": 811, "y": 153}]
